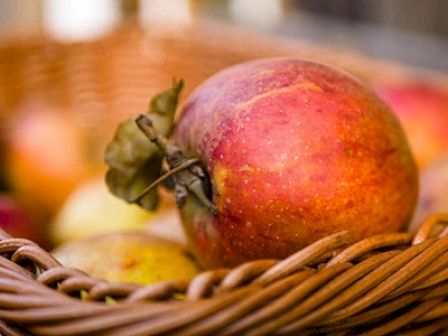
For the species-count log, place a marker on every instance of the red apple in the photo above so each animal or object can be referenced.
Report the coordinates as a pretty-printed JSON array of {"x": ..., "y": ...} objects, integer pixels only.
[
  {"x": 45, "y": 156},
  {"x": 433, "y": 196},
  {"x": 17, "y": 220},
  {"x": 423, "y": 111},
  {"x": 295, "y": 151}
]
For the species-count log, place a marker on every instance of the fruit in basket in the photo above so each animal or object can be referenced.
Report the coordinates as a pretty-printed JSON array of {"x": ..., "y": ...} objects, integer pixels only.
[
  {"x": 18, "y": 220},
  {"x": 91, "y": 210},
  {"x": 433, "y": 196},
  {"x": 135, "y": 257},
  {"x": 3, "y": 180},
  {"x": 423, "y": 111},
  {"x": 295, "y": 151},
  {"x": 45, "y": 158},
  {"x": 272, "y": 155},
  {"x": 166, "y": 224},
  {"x": 134, "y": 162}
]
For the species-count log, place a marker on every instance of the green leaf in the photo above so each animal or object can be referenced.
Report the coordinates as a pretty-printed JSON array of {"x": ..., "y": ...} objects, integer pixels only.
[{"x": 133, "y": 161}]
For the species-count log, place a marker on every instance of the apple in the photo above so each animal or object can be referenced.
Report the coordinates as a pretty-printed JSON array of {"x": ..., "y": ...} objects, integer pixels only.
[
  {"x": 46, "y": 155},
  {"x": 134, "y": 257},
  {"x": 3, "y": 179},
  {"x": 433, "y": 196},
  {"x": 17, "y": 220},
  {"x": 91, "y": 210},
  {"x": 422, "y": 109},
  {"x": 294, "y": 151},
  {"x": 166, "y": 223}
]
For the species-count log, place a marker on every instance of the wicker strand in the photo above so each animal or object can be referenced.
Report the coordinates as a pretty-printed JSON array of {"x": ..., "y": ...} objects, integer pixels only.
[{"x": 387, "y": 284}]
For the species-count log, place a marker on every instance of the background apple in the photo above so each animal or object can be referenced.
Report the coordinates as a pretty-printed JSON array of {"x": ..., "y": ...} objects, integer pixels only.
[
  {"x": 135, "y": 257},
  {"x": 47, "y": 157},
  {"x": 91, "y": 210},
  {"x": 3, "y": 180},
  {"x": 433, "y": 196},
  {"x": 19, "y": 221},
  {"x": 295, "y": 151},
  {"x": 422, "y": 109},
  {"x": 166, "y": 224}
]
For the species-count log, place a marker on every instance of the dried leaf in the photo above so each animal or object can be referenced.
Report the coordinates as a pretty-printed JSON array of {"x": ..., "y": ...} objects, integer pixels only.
[{"x": 134, "y": 162}]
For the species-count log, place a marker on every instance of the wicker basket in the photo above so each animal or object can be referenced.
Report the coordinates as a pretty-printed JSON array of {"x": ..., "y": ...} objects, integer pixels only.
[
  {"x": 387, "y": 284},
  {"x": 114, "y": 76},
  {"x": 392, "y": 283},
  {"x": 102, "y": 82}
]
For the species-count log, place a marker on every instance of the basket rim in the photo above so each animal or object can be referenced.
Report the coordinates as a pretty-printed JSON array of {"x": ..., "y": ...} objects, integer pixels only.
[{"x": 383, "y": 283}]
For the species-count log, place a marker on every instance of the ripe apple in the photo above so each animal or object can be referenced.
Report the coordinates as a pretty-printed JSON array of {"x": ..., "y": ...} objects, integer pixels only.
[
  {"x": 423, "y": 111},
  {"x": 91, "y": 210},
  {"x": 166, "y": 224},
  {"x": 18, "y": 221},
  {"x": 135, "y": 257},
  {"x": 433, "y": 196},
  {"x": 3, "y": 179},
  {"x": 46, "y": 156},
  {"x": 294, "y": 151}
]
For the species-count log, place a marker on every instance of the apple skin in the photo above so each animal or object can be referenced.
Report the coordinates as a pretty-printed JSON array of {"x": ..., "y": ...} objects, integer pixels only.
[
  {"x": 133, "y": 256},
  {"x": 166, "y": 224},
  {"x": 46, "y": 155},
  {"x": 295, "y": 151},
  {"x": 423, "y": 111},
  {"x": 17, "y": 220},
  {"x": 433, "y": 196},
  {"x": 91, "y": 210}
]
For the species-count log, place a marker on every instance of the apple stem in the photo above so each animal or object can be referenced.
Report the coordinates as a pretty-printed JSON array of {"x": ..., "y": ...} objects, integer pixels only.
[
  {"x": 162, "y": 178},
  {"x": 187, "y": 174}
]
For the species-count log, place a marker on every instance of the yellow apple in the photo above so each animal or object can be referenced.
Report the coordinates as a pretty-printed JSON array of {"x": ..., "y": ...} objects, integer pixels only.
[
  {"x": 135, "y": 257},
  {"x": 91, "y": 210}
]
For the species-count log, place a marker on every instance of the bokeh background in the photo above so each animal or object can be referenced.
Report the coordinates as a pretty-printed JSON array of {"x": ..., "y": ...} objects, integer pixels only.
[
  {"x": 411, "y": 31},
  {"x": 71, "y": 70}
]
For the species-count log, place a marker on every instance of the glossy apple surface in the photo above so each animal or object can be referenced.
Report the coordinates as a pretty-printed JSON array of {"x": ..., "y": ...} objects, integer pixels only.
[
  {"x": 295, "y": 151},
  {"x": 423, "y": 111}
]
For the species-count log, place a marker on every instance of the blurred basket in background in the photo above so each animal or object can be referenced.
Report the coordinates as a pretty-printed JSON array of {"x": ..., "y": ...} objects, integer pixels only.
[
  {"x": 115, "y": 76},
  {"x": 100, "y": 82}
]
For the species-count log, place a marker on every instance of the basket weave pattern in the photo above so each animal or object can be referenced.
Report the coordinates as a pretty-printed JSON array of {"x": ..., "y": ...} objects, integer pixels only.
[
  {"x": 116, "y": 75},
  {"x": 393, "y": 283}
]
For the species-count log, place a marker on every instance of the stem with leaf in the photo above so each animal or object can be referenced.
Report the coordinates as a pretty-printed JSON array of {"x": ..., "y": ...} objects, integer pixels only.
[{"x": 186, "y": 173}]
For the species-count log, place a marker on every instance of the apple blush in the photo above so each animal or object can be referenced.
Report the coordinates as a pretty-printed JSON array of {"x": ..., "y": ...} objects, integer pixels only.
[
  {"x": 267, "y": 157},
  {"x": 293, "y": 151},
  {"x": 18, "y": 220},
  {"x": 422, "y": 109},
  {"x": 433, "y": 197}
]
